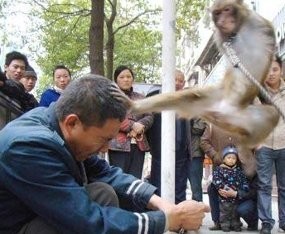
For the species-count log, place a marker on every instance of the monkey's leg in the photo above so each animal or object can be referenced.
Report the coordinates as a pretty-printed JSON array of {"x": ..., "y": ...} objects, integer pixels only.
[
  {"x": 187, "y": 103},
  {"x": 252, "y": 124}
]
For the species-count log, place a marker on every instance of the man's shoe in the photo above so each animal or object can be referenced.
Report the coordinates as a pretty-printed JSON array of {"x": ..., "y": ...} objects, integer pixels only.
[
  {"x": 252, "y": 227},
  {"x": 217, "y": 226},
  {"x": 226, "y": 229},
  {"x": 266, "y": 228},
  {"x": 237, "y": 229}
]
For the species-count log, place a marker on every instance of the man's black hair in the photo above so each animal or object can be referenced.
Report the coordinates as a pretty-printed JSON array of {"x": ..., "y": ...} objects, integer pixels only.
[
  {"x": 61, "y": 67},
  {"x": 15, "y": 55}
]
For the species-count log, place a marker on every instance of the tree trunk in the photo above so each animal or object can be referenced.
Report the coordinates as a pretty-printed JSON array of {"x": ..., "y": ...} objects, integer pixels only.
[
  {"x": 96, "y": 37},
  {"x": 110, "y": 40},
  {"x": 110, "y": 54}
]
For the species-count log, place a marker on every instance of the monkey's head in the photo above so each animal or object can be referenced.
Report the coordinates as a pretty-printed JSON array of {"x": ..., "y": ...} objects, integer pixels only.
[{"x": 228, "y": 16}]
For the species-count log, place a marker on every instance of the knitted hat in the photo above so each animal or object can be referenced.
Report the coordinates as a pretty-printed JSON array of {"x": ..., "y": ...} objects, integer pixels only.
[
  {"x": 229, "y": 150},
  {"x": 30, "y": 72}
]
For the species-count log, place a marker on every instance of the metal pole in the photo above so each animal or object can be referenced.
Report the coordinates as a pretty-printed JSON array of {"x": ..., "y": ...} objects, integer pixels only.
[{"x": 168, "y": 117}]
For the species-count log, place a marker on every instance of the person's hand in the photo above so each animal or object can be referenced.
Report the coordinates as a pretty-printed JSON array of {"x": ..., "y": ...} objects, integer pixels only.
[
  {"x": 229, "y": 192},
  {"x": 217, "y": 160},
  {"x": 138, "y": 127},
  {"x": 187, "y": 215}
]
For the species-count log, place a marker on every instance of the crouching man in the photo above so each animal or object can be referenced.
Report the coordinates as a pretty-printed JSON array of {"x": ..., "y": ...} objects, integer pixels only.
[{"x": 51, "y": 182}]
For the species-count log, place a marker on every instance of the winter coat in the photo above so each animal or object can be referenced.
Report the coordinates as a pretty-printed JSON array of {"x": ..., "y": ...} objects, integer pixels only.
[{"x": 39, "y": 176}]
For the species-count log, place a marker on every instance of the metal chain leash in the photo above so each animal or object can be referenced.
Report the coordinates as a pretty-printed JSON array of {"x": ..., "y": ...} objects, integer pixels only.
[{"x": 234, "y": 59}]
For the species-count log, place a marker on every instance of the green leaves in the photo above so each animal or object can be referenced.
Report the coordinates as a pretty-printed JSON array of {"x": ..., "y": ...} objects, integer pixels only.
[{"x": 59, "y": 34}]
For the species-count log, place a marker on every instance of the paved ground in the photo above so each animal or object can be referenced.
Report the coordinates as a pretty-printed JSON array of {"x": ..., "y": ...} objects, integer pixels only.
[{"x": 208, "y": 222}]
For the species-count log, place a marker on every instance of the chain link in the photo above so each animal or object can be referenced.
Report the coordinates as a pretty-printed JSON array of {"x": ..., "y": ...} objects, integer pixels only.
[{"x": 234, "y": 59}]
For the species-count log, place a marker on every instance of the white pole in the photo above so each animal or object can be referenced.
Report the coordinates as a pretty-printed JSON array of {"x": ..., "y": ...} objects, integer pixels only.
[{"x": 168, "y": 117}]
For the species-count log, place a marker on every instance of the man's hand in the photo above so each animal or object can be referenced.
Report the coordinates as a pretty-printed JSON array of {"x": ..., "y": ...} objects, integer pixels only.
[{"x": 187, "y": 215}]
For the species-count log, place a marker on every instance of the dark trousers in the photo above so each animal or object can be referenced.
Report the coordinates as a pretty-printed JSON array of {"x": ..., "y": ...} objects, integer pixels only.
[
  {"x": 228, "y": 215},
  {"x": 246, "y": 209},
  {"x": 102, "y": 193},
  {"x": 130, "y": 162},
  {"x": 180, "y": 176},
  {"x": 195, "y": 176}
]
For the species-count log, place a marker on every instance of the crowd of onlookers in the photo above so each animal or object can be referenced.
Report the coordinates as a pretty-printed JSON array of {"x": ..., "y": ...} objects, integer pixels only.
[
  {"x": 19, "y": 79},
  {"x": 242, "y": 178}
]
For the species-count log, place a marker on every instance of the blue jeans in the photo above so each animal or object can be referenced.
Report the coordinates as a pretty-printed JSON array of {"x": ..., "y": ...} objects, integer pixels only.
[
  {"x": 267, "y": 159},
  {"x": 195, "y": 175},
  {"x": 246, "y": 209}
]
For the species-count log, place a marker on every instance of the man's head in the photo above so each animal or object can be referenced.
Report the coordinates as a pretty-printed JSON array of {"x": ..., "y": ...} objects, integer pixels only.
[
  {"x": 179, "y": 80},
  {"x": 15, "y": 65},
  {"x": 61, "y": 76},
  {"x": 275, "y": 73},
  {"x": 29, "y": 79},
  {"x": 89, "y": 115}
]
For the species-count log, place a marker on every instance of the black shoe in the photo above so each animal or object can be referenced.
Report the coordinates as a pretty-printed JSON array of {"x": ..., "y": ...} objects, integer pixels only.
[
  {"x": 217, "y": 226},
  {"x": 266, "y": 228},
  {"x": 226, "y": 229},
  {"x": 237, "y": 229},
  {"x": 252, "y": 226}
]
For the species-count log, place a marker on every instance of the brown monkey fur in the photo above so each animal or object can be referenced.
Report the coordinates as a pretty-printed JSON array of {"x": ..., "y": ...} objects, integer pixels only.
[{"x": 229, "y": 104}]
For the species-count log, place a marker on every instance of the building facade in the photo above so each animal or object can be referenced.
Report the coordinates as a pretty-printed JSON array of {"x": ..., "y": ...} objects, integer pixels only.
[{"x": 203, "y": 64}]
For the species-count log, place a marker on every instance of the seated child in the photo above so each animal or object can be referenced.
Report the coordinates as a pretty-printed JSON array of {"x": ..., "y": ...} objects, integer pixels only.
[{"x": 229, "y": 176}]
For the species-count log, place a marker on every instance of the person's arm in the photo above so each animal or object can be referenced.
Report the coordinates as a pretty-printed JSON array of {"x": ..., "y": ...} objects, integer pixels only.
[
  {"x": 218, "y": 180},
  {"x": 251, "y": 193},
  {"x": 48, "y": 182},
  {"x": 45, "y": 98},
  {"x": 143, "y": 196},
  {"x": 198, "y": 127},
  {"x": 125, "y": 185},
  {"x": 208, "y": 147},
  {"x": 187, "y": 214},
  {"x": 142, "y": 121}
]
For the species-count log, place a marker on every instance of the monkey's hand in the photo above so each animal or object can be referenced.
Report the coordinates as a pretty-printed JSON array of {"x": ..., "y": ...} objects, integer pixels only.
[{"x": 118, "y": 94}]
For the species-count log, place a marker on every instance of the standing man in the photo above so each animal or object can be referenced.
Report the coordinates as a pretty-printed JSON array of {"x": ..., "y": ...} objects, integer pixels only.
[
  {"x": 51, "y": 182},
  {"x": 16, "y": 64},
  {"x": 181, "y": 151},
  {"x": 272, "y": 154},
  {"x": 29, "y": 80}
]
